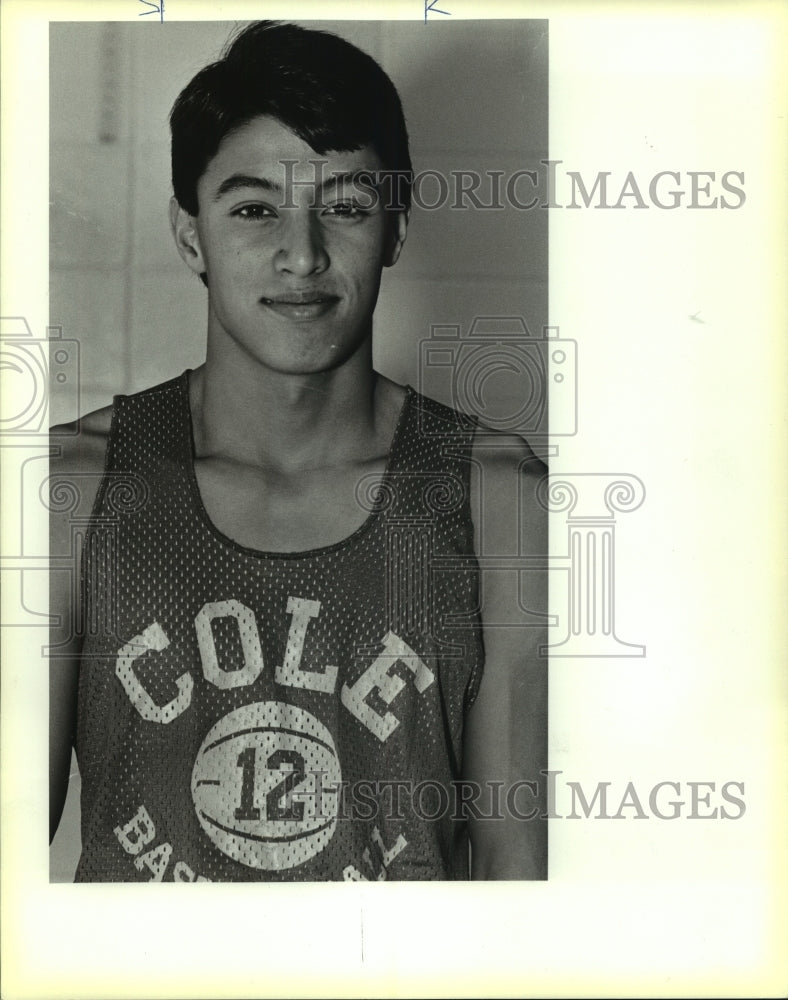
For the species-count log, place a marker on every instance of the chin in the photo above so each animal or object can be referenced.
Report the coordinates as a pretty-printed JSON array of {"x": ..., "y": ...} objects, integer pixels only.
[
  {"x": 312, "y": 359},
  {"x": 314, "y": 365}
]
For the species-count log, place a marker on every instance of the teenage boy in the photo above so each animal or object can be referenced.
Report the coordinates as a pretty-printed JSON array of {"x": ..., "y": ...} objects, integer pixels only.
[{"x": 286, "y": 668}]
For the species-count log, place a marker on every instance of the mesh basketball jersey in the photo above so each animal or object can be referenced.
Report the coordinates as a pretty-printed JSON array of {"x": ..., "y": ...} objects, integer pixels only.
[{"x": 248, "y": 715}]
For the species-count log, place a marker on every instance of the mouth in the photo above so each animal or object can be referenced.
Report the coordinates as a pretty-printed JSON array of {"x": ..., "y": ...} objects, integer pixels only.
[{"x": 301, "y": 306}]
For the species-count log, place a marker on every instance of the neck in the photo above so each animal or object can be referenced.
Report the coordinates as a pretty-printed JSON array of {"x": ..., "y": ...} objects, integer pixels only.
[{"x": 252, "y": 414}]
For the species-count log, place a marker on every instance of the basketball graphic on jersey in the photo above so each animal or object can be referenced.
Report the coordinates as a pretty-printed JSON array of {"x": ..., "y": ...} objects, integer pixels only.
[{"x": 265, "y": 785}]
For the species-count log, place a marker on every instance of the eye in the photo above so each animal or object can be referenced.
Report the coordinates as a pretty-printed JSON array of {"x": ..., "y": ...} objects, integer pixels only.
[
  {"x": 346, "y": 210},
  {"x": 254, "y": 212}
]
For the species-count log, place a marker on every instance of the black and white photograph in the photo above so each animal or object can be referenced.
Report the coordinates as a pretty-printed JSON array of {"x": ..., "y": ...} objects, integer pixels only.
[
  {"x": 392, "y": 432},
  {"x": 283, "y": 660}
]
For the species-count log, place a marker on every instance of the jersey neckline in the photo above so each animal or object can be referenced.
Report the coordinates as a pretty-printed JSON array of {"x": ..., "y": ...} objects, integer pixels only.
[{"x": 194, "y": 487}]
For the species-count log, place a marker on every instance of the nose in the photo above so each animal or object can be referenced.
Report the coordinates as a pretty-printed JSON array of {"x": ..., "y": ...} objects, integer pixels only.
[{"x": 302, "y": 249}]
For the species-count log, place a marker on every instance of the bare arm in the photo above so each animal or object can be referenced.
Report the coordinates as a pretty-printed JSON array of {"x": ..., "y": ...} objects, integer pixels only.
[
  {"x": 77, "y": 462},
  {"x": 506, "y": 731},
  {"x": 63, "y": 681}
]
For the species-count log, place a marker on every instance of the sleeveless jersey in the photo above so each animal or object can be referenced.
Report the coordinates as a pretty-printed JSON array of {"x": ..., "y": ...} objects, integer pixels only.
[{"x": 273, "y": 716}]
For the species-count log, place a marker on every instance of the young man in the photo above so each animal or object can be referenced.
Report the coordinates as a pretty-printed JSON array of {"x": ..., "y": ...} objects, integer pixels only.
[{"x": 280, "y": 672}]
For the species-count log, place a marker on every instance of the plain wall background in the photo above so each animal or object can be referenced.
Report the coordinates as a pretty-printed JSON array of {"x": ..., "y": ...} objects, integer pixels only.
[{"x": 475, "y": 98}]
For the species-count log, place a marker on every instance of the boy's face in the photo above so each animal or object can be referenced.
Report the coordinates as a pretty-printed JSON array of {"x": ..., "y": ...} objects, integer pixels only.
[{"x": 293, "y": 253}]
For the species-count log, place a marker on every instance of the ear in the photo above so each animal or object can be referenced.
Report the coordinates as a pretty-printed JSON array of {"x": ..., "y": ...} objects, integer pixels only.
[
  {"x": 398, "y": 230},
  {"x": 184, "y": 231}
]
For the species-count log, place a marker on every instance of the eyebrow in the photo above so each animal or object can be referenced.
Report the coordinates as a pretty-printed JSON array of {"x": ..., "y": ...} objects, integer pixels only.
[{"x": 237, "y": 181}]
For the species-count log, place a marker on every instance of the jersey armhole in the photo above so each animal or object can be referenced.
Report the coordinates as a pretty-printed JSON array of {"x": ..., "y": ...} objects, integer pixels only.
[
  {"x": 98, "y": 502},
  {"x": 475, "y": 679},
  {"x": 109, "y": 459}
]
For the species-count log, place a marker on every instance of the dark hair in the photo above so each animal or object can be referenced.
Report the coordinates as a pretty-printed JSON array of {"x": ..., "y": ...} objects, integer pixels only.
[{"x": 325, "y": 90}]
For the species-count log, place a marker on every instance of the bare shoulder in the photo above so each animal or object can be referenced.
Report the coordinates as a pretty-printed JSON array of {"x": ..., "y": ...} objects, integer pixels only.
[
  {"x": 389, "y": 400},
  {"x": 78, "y": 450},
  {"x": 81, "y": 445},
  {"x": 505, "y": 477}
]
